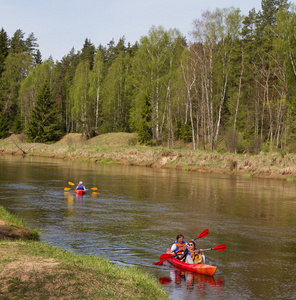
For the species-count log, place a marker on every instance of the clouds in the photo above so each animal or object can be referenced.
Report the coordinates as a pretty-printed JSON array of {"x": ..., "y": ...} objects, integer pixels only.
[{"x": 61, "y": 25}]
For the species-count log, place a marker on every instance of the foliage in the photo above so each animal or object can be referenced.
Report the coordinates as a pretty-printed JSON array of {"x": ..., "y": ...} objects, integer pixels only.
[
  {"x": 231, "y": 87},
  {"x": 145, "y": 130},
  {"x": 3, "y": 49},
  {"x": 44, "y": 126},
  {"x": 4, "y": 126}
]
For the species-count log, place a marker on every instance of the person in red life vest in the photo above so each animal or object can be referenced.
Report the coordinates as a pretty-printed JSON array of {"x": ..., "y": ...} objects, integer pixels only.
[
  {"x": 179, "y": 247},
  {"x": 194, "y": 256},
  {"x": 80, "y": 186}
]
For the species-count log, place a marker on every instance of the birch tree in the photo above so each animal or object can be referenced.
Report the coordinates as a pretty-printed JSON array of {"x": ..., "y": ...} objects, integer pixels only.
[
  {"x": 216, "y": 32},
  {"x": 79, "y": 95},
  {"x": 95, "y": 89}
]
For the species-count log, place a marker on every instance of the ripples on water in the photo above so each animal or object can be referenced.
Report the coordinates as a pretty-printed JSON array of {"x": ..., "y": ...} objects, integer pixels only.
[{"x": 138, "y": 212}]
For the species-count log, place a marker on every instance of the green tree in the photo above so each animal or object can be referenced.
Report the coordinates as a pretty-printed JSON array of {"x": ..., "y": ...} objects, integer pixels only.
[
  {"x": 31, "y": 44},
  {"x": 284, "y": 69},
  {"x": 88, "y": 52},
  {"x": 3, "y": 49},
  {"x": 144, "y": 127},
  {"x": 30, "y": 86},
  {"x": 215, "y": 35},
  {"x": 95, "y": 89},
  {"x": 17, "y": 42},
  {"x": 80, "y": 99},
  {"x": 115, "y": 104},
  {"x": 16, "y": 68},
  {"x": 44, "y": 125},
  {"x": 38, "y": 57},
  {"x": 4, "y": 126},
  {"x": 64, "y": 72},
  {"x": 153, "y": 68}
]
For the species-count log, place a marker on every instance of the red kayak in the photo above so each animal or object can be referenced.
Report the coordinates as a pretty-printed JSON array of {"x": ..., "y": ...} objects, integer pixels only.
[
  {"x": 195, "y": 268},
  {"x": 80, "y": 192}
]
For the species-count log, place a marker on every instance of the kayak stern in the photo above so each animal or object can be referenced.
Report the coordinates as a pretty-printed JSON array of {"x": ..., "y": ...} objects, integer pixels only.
[{"x": 80, "y": 192}]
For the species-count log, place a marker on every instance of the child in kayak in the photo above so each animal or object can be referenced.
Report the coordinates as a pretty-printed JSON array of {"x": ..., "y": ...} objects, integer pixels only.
[
  {"x": 194, "y": 256},
  {"x": 80, "y": 186}
]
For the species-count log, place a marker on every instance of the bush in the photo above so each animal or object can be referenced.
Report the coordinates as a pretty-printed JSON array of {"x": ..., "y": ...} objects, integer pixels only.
[
  {"x": 231, "y": 141},
  {"x": 255, "y": 145},
  {"x": 132, "y": 141}
]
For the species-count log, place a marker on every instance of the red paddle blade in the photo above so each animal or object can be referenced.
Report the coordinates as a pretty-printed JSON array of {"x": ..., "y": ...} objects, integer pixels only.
[
  {"x": 221, "y": 247},
  {"x": 203, "y": 234},
  {"x": 166, "y": 256}
]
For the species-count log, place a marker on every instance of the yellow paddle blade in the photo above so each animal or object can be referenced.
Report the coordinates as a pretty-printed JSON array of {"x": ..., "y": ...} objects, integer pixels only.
[
  {"x": 70, "y": 183},
  {"x": 67, "y": 189},
  {"x": 94, "y": 188}
]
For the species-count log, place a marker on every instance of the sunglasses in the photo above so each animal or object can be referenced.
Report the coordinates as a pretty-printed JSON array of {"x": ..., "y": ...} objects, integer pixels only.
[{"x": 190, "y": 244}]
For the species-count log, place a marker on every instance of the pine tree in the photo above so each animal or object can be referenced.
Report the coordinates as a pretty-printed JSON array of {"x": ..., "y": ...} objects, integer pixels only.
[
  {"x": 44, "y": 126},
  {"x": 3, "y": 49},
  {"x": 17, "y": 42},
  {"x": 31, "y": 44},
  {"x": 88, "y": 53},
  {"x": 38, "y": 57},
  {"x": 4, "y": 126},
  {"x": 145, "y": 128}
]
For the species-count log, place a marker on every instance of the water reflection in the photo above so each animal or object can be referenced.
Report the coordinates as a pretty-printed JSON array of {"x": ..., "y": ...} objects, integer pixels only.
[
  {"x": 193, "y": 284},
  {"x": 139, "y": 212}
]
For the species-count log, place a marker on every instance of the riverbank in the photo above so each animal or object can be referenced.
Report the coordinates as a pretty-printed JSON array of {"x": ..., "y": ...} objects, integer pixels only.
[
  {"x": 122, "y": 148},
  {"x": 35, "y": 270}
]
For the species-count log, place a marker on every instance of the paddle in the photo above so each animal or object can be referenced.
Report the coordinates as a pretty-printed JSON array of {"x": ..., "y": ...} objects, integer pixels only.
[
  {"x": 71, "y": 183},
  {"x": 203, "y": 234},
  {"x": 167, "y": 256},
  {"x": 221, "y": 247},
  {"x": 164, "y": 257},
  {"x": 67, "y": 189}
]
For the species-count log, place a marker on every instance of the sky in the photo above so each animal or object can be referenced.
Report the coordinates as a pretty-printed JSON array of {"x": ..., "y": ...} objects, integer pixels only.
[{"x": 60, "y": 25}]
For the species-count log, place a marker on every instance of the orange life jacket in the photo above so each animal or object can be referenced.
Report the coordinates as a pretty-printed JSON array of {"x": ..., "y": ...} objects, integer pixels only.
[
  {"x": 196, "y": 256},
  {"x": 180, "y": 248}
]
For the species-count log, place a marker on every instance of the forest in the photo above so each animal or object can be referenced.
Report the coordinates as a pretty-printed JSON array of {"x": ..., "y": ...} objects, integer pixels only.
[{"x": 231, "y": 88}]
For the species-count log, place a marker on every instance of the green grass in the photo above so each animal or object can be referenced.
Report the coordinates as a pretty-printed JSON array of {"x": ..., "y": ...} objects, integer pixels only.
[
  {"x": 70, "y": 276},
  {"x": 107, "y": 161},
  {"x": 19, "y": 222},
  {"x": 290, "y": 179},
  {"x": 248, "y": 175},
  {"x": 8, "y": 217},
  {"x": 35, "y": 270}
]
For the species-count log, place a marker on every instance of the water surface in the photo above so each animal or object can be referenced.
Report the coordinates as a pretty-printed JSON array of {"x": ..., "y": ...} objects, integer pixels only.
[{"x": 139, "y": 211}]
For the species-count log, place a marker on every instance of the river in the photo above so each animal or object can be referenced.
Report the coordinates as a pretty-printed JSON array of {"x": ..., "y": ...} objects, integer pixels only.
[{"x": 138, "y": 212}]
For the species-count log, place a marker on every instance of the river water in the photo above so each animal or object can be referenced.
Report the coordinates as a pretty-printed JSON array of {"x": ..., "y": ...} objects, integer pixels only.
[{"x": 139, "y": 211}]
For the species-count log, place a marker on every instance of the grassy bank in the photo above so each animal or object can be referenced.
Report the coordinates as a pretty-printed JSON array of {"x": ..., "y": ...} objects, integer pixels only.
[
  {"x": 35, "y": 270},
  {"x": 122, "y": 148}
]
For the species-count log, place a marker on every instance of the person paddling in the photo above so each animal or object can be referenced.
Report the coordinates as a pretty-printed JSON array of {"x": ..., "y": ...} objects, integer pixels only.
[
  {"x": 80, "y": 186},
  {"x": 179, "y": 247},
  {"x": 194, "y": 256}
]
